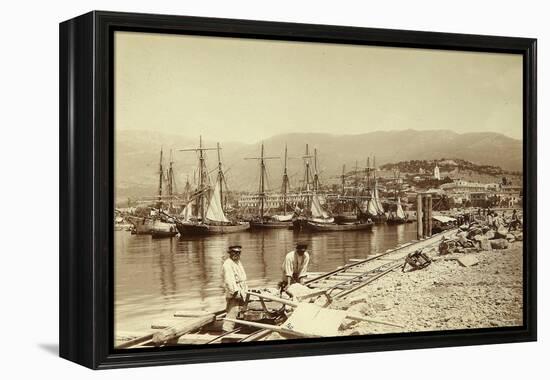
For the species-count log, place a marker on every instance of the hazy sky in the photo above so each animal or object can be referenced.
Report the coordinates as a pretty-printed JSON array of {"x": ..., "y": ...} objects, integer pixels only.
[{"x": 245, "y": 90}]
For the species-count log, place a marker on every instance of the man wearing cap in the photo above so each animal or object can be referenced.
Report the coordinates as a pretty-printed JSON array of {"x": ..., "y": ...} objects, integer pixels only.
[
  {"x": 234, "y": 279},
  {"x": 295, "y": 265}
]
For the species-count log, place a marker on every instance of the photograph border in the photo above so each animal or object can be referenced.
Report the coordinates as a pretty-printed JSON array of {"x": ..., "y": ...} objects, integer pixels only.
[{"x": 86, "y": 156}]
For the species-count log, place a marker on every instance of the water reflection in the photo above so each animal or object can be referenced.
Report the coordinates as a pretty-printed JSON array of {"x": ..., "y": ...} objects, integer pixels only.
[{"x": 160, "y": 276}]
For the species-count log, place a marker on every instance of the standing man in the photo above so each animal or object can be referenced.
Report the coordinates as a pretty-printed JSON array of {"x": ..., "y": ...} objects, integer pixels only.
[
  {"x": 295, "y": 265},
  {"x": 234, "y": 280}
]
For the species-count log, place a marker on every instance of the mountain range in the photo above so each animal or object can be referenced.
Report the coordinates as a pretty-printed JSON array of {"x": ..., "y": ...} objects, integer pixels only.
[{"x": 137, "y": 155}]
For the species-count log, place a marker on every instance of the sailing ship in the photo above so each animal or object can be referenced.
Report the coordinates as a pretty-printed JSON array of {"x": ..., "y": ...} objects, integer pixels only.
[
  {"x": 372, "y": 206},
  {"x": 397, "y": 216},
  {"x": 346, "y": 210},
  {"x": 316, "y": 218},
  {"x": 143, "y": 225},
  {"x": 264, "y": 218},
  {"x": 204, "y": 213},
  {"x": 164, "y": 226},
  {"x": 313, "y": 211}
]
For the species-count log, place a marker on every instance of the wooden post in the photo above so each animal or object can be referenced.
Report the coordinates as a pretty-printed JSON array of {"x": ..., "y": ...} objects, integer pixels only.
[
  {"x": 430, "y": 215},
  {"x": 424, "y": 217},
  {"x": 174, "y": 332},
  {"x": 419, "y": 216}
]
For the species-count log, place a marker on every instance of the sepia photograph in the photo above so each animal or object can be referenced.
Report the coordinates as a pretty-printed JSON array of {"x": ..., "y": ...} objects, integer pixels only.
[{"x": 271, "y": 190}]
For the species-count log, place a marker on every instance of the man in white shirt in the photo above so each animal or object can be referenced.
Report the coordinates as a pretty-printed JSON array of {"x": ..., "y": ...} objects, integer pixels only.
[
  {"x": 234, "y": 279},
  {"x": 295, "y": 265}
]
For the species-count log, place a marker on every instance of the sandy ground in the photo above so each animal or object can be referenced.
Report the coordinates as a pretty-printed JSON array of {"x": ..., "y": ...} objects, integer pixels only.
[{"x": 444, "y": 296}]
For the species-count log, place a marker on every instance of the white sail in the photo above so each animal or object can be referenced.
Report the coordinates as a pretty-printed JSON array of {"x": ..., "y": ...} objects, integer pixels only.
[
  {"x": 371, "y": 207},
  {"x": 215, "y": 210},
  {"x": 187, "y": 212},
  {"x": 378, "y": 204},
  {"x": 400, "y": 214},
  {"x": 316, "y": 208}
]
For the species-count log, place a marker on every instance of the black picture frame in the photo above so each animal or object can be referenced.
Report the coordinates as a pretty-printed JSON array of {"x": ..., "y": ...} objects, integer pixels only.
[{"x": 86, "y": 187}]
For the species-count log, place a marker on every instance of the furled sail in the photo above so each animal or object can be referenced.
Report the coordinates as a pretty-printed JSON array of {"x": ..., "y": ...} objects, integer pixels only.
[
  {"x": 283, "y": 218},
  {"x": 400, "y": 214},
  {"x": 215, "y": 210}
]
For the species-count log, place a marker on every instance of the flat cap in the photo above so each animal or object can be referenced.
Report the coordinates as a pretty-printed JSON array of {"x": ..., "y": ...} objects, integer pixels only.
[
  {"x": 301, "y": 245},
  {"x": 235, "y": 248}
]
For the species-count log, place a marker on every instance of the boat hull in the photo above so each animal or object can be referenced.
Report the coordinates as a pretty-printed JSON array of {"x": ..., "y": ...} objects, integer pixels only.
[
  {"x": 333, "y": 227},
  {"x": 163, "y": 234},
  {"x": 379, "y": 219},
  {"x": 345, "y": 218},
  {"x": 270, "y": 224},
  {"x": 142, "y": 229},
  {"x": 396, "y": 221},
  {"x": 210, "y": 229}
]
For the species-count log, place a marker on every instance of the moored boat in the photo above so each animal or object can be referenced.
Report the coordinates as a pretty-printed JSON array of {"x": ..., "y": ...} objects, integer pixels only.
[
  {"x": 141, "y": 226},
  {"x": 329, "y": 227},
  {"x": 204, "y": 213},
  {"x": 162, "y": 229},
  {"x": 265, "y": 219}
]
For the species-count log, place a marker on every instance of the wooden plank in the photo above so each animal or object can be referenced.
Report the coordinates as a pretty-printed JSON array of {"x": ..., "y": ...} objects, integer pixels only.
[
  {"x": 136, "y": 341},
  {"x": 124, "y": 336},
  {"x": 280, "y": 330},
  {"x": 174, "y": 332},
  {"x": 206, "y": 338},
  {"x": 191, "y": 313},
  {"x": 256, "y": 336},
  {"x": 356, "y": 317}
]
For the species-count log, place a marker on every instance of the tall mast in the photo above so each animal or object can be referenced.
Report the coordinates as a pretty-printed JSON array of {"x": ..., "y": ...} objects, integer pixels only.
[
  {"x": 203, "y": 175},
  {"x": 307, "y": 157},
  {"x": 343, "y": 179},
  {"x": 285, "y": 182},
  {"x": 220, "y": 173},
  {"x": 262, "y": 183},
  {"x": 374, "y": 172},
  {"x": 368, "y": 175},
  {"x": 356, "y": 179},
  {"x": 261, "y": 189},
  {"x": 161, "y": 174},
  {"x": 306, "y": 179},
  {"x": 171, "y": 181},
  {"x": 315, "y": 173}
]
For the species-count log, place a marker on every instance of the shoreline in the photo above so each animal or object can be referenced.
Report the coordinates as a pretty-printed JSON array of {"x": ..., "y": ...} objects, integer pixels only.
[{"x": 444, "y": 296}]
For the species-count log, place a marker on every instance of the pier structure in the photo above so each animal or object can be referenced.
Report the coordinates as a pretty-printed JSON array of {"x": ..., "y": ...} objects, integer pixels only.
[{"x": 424, "y": 215}]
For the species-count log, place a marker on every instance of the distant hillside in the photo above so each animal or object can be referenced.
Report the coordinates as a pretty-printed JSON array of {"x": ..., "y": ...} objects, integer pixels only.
[
  {"x": 137, "y": 155},
  {"x": 446, "y": 165}
]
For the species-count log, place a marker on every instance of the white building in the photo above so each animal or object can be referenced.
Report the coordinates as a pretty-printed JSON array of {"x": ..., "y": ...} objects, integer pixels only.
[{"x": 436, "y": 173}]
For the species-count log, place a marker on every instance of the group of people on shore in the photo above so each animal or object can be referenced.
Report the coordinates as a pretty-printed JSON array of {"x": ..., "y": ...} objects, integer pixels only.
[
  {"x": 294, "y": 270},
  {"x": 493, "y": 219}
]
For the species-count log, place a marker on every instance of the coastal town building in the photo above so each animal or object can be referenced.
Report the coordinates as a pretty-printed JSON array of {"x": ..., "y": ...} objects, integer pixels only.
[{"x": 437, "y": 175}]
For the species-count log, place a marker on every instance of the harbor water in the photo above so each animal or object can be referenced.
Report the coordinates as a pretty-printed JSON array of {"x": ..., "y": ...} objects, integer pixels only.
[{"x": 156, "y": 277}]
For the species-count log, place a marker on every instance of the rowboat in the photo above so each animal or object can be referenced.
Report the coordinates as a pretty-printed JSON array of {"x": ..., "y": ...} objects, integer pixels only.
[{"x": 329, "y": 227}]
